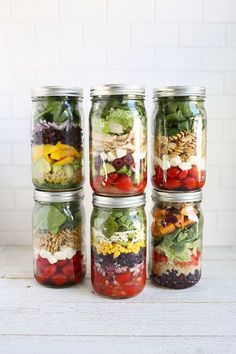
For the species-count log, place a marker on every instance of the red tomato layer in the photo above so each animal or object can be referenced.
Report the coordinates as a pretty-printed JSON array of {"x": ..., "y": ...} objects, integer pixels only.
[
  {"x": 176, "y": 179},
  {"x": 62, "y": 273}
]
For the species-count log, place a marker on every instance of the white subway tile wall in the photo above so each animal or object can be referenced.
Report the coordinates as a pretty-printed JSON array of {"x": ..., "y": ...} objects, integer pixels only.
[{"x": 85, "y": 42}]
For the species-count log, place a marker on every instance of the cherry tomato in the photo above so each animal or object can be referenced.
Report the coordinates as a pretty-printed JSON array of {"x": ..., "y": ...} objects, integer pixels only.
[
  {"x": 202, "y": 181},
  {"x": 59, "y": 279},
  {"x": 124, "y": 183},
  {"x": 141, "y": 186},
  {"x": 173, "y": 172},
  {"x": 158, "y": 174},
  {"x": 61, "y": 263},
  {"x": 131, "y": 289},
  {"x": 159, "y": 258},
  {"x": 182, "y": 175},
  {"x": 189, "y": 183},
  {"x": 68, "y": 270},
  {"x": 50, "y": 270},
  {"x": 113, "y": 176},
  {"x": 40, "y": 278},
  {"x": 172, "y": 184},
  {"x": 124, "y": 277},
  {"x": 194, "y": 173},
  {"x": 41, "y": 263}
]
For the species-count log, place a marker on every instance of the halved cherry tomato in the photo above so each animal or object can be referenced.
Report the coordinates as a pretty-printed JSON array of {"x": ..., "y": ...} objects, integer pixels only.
[
  {"x": 50, "y": 270},
  {"x": 40, "y": 278},
  {"x": 173, "y": 172},
  {"x": 172, "y": 183},
  {"x": 68, "y": 270},
  {"x": 189, "y": 183},
  {"x": 194, "y": 173},
  {"x": 113, "y": 176},
  {"x": 61, "y": 263},
  {"x": 124, "y": 183},
  {"x": 124, "y": 277},
  {"x": 59, "y": 279},
  {"x": 182, "y": 175},
  {"x": 96, "y": 183}
]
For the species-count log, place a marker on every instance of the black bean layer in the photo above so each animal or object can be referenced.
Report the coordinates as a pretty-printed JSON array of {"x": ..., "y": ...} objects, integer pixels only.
[{"x": 172, "y": 279}]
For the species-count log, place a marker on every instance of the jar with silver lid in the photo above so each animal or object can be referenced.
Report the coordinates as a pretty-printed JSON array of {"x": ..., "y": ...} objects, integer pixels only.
[
  {"x": 118, "y": 246},
  {"x": 58, "y": 238},
  {"x": 179, "y": 138},
  {"x": 118, "y": 140},
  {"x": 57, "y": 142},
  {"x": 176, "y": 239}
]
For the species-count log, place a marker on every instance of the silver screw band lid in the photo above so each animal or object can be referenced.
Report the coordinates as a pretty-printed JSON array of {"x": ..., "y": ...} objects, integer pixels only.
[
  {"x": 161, "y": 196},
  {"x": 117, "y": 89},
  {"x": 119, "y": 202},
  {"x": 178, "y": 91},
  {"x": 46, "y": 91},
  {"x": 58, "y": 197}
]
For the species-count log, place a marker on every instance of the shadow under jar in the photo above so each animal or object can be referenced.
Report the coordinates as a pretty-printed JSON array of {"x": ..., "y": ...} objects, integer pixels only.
[
  {"x": 118, "y": 140},
  {"x": 57, "y": 144},
  {"x": 58, "y": 222},
  {"x": 176, "y": 244},
  {"x": 179, "y": 138},
  {"x": 118, "y": 246}
]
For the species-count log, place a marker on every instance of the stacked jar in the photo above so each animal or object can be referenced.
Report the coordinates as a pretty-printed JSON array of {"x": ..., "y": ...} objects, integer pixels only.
[
  {"x": 179, "y": 173},
  {"x": 57, "y": 174},
  {"x": 118, "y": 177}
]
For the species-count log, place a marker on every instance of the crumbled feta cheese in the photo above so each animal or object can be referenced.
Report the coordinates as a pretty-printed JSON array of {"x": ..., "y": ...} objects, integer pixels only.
[
  {"x": 193, "y": 160},
  {"x": 70, "y": 252},
  {"x": 44, "y": 254},
  {"x": 51, "y": 259},
  {"x": 165, "y": 164},
  {"x": 103, "y": 156},
  {"x": 165, "y": 157},
  {"x": 184, "y": 166},
  {"x": 111, "y": 156},
  {"x": 60, "y": 255},
  {"x": 175, "y": 161},
  {"x": 121, "y": 153}
]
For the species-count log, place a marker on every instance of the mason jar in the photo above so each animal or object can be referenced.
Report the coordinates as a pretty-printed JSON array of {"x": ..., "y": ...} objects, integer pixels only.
[
  {"x": 58, "y": 238},
  {"x": 176, "y": 239},
  {"x": 179, "y": 138},
  {"x": 118, "y": 246},
  {"x": 118, "y": 140},
  {"x": 57, "y": 141}
]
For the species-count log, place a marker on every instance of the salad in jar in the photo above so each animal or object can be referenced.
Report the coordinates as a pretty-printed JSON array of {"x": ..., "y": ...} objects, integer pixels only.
[
  {"x": 179, "y": 138},
  {"x": 59, "y": 258},
  {"x": 118, "y": 140},
  {"x": 176, "y": 232},
  {"x": 118, "y": 248},
  {"x": 57, "y": 144}
]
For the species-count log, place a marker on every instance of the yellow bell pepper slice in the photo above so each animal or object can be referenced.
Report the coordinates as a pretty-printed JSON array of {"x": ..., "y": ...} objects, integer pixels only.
[{"x": 65, "y": 161}]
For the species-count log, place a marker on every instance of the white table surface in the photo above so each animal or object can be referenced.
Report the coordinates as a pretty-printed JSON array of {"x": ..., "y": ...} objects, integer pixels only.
[{"x": 35, "y": 319}]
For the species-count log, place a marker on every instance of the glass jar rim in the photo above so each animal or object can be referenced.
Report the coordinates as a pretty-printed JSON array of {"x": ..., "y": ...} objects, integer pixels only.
[
  {"x": 178, "y": 197},
  {"x": 56, "y": 91},
  {"x": 178, "y": 91},
  {"x": 58, "y": 197},
  {"x": 119, "y": 202},
  {"x": 117, "y": 89}
]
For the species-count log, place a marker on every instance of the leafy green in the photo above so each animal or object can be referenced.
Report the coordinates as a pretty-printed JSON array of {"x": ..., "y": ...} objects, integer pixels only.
[
  {"x": 177, "y": 114},
  {"x": 57, "y": 109},
  {"x": 49, "y": 218},
  {"x": 122, "y": 117},
  {"x": 109, "y": 222},
  {"x": 178, "y": 244}
]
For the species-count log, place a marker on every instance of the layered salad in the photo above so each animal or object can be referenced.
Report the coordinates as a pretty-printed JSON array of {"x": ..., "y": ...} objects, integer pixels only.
[
  {"x": 118, "y": 252},
  {"x": 179, "y": 145},
  {"x": 176, "y": 245},
  {"x": 58, "y": 244},
  {"x": 118, "y": 139},
  {"x": 57, "y": 152}
]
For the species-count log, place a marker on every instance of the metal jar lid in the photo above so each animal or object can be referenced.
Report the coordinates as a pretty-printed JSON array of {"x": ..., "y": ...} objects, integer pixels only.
[
  {"x": 117, "y": 89},
  {"x": 178, "y": 91},
  {"x": 58, "y": 197},
  {"x": 178, "y": 197},
  {"x": 119, "y": 202},
  {"x": 46, "y": 91}
]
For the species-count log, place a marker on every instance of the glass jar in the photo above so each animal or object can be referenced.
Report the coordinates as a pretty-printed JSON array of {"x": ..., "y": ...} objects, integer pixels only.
[
  {"x": 118, "y": 140},
  {"x": 118, "y": 246},
  {"x": 58, "y": 231},
  {"x": 176, "y": 245},
  {"x": 57, "y": 143},
  {"x": 179, "y": 138}
]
